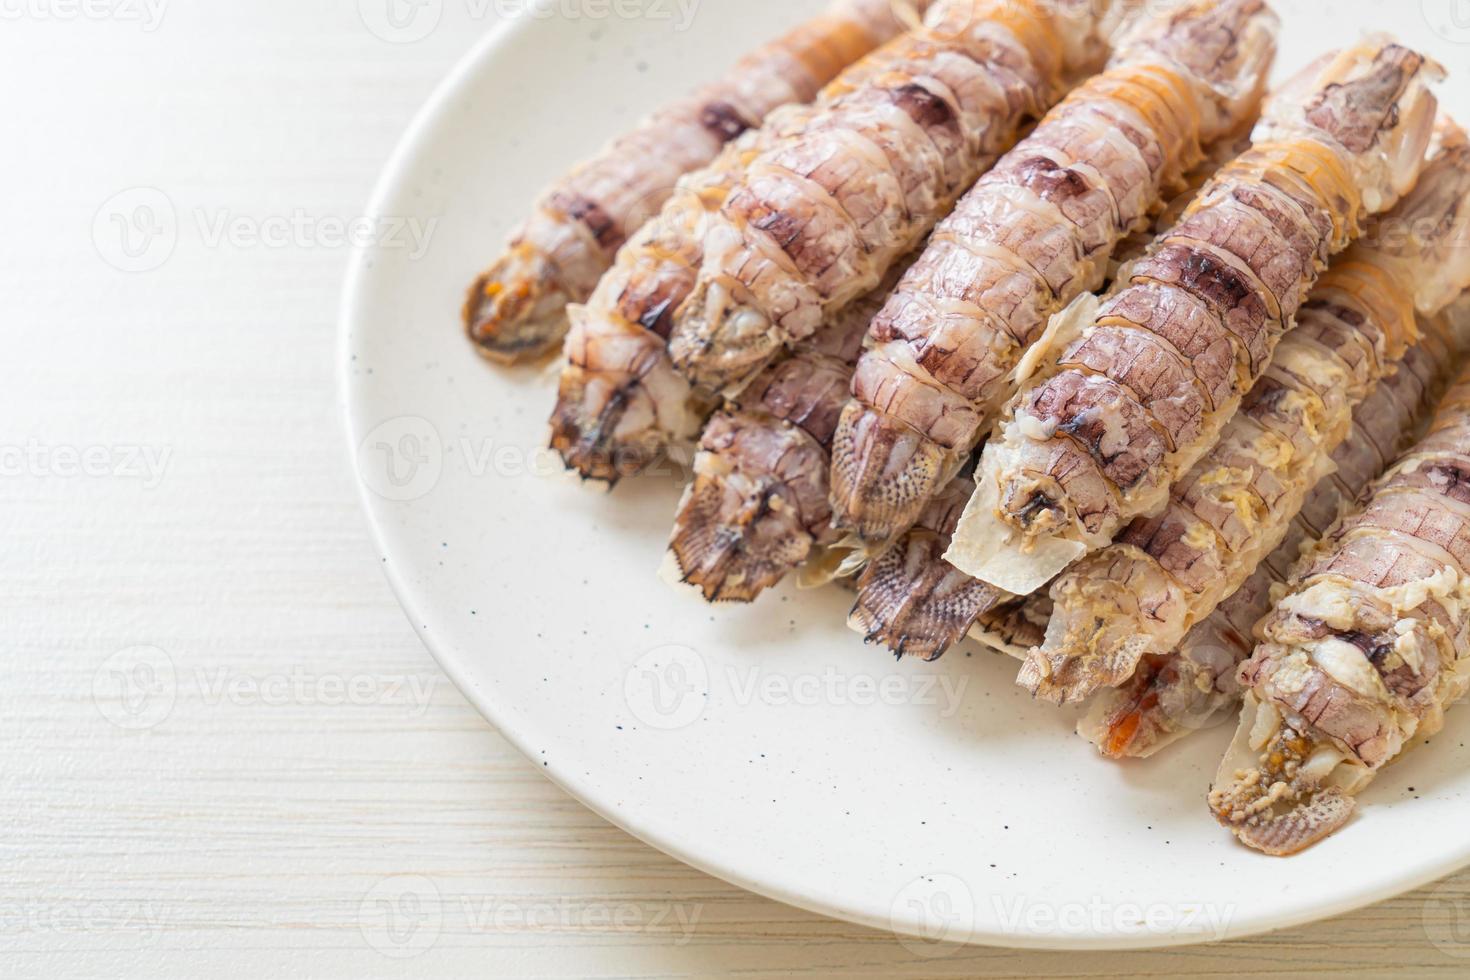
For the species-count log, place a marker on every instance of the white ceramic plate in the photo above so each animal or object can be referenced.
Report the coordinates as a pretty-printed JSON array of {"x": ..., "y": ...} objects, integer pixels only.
[{"x": 768, "y": 745}]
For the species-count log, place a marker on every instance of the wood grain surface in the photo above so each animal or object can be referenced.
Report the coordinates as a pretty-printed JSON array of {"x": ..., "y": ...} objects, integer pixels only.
[{"x": 225, "y": 751}]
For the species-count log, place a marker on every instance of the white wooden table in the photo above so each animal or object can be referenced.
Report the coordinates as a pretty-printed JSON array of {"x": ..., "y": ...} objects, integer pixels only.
[{"x": 281, "y": 761}]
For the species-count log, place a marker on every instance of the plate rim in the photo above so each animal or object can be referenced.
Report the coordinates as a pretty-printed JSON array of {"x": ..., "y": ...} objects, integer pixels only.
[{"x": 392, "y": 176}]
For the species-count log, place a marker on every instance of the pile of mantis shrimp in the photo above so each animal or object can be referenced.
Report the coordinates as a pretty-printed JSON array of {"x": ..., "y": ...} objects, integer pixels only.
[{"x": 1045, "y": 323}]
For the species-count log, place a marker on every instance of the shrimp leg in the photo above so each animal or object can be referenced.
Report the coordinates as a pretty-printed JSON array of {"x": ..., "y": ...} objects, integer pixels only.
[{"x": 910, "y": 599}]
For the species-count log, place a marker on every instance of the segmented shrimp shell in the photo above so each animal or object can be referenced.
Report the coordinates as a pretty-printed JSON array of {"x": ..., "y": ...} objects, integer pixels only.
[
  {"x": 1365, "y": 651},
  {"x": 818, "y": 218},
  {"x": 622, "y": 403},
  {"x": 911, "y": 600},
  {"x": 1143, "y": 593},
  {"x": 757, "y": 507},
  {"x": 516, "y": 310},
  {"x": 1033, "y": 234},
  {"x": 1087, "y": 446},
  {"x": 1194, "y": 687}
]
